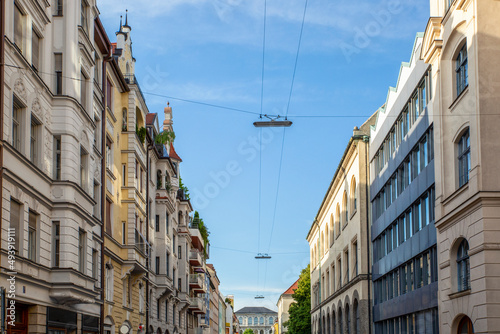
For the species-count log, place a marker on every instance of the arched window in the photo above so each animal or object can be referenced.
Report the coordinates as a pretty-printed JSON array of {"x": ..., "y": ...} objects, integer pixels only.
[
  {"x": 341, "y": 320},
  {"x": 356, "y": 315},
  {"x": 271, "y": 320},
  {"x": 250, "y": 321},
  {"x": 328, "y": 324},
  {"x": 348, "y": 319},
  {"x": 261, "y": 320},
  {"x": 158, "y": 179},
  {"x": 334, "y": 323},
  {"x": 354, "y": 202},
  {"x": 463, "y": 159},
  {"x": 327, "y": 238},
  {"x": 465, "y": 326},
  {"x": 461, "y": 70},
  {"x": 255, "y": 321},
  {"x": 322, "y": 245},
  {"x": 332, "y": 231},
  {"x": 337, "y": 221},
  {"x": 344, "y": 208},
  {"x": 124, "y": 119},
  {"x": 463, "y": 266},
  {"x": 240, "y": 319}
]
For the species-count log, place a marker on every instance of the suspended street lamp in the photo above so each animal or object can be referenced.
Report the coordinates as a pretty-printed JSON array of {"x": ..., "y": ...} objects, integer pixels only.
[
  {"x": 259, "y": 297},
  {"x": 261, "y": 256},
  {"x": 273, "y": 122}
]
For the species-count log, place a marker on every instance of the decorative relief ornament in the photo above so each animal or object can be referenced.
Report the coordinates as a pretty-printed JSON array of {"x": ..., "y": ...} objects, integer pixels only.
[{"x": 20, "y": 89}]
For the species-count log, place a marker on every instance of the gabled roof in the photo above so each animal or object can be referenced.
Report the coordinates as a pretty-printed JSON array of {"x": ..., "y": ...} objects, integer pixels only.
[
  {"x": 292, "y": 288},
  {"x": 251, "y": 309},
  {"x": 173, "y": 154}
]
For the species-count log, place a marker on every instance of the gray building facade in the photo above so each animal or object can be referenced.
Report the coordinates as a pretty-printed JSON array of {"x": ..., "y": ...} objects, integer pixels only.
[{"x": 403, "y": 233}]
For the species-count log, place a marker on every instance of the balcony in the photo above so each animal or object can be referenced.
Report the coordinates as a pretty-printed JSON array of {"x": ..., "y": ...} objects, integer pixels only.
[
  {"x": 196, "y": 238},
  {"x": 195, "y": 258},
  {"x": 197, "y": 282},
  {"x": 198, "y": 305},
  {"x": 132, "y": 80}
]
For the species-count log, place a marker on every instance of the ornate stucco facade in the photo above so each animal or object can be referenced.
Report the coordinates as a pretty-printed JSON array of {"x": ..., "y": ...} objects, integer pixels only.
[{"x": 260, "y": 319}]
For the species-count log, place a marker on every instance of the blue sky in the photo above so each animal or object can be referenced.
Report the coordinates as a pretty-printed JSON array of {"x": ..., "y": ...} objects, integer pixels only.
[{"x": 211, "y": 51}]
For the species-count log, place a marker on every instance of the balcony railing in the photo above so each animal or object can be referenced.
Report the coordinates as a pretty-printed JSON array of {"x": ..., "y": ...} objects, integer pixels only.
[
  {"x": 197, "y": 281},
  {"x": 195, "y": 258}
]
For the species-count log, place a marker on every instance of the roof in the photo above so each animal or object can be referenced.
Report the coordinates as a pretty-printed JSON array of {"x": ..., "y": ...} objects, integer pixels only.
[
  {"x": 250, "y": 309},
  {"x": 292, "y": 288},
  {"x": 173, "y": 154},
  {"x": 150, "y": 118}
]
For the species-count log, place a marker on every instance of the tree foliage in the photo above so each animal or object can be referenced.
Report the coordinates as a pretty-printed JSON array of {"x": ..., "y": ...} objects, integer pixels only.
[
  {"x": 248, "y": 331},
  {"x": 300, "y": 310},
  {"x": 184, "y": 189}
]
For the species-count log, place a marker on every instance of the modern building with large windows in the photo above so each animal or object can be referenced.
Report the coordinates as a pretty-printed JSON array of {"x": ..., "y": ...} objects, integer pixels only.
[
  {"x": 403, "y": 234},
  {"x": 462, "y": 41}
]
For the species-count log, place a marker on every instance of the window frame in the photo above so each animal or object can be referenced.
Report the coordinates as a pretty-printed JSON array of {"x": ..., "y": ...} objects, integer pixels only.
[
  {"x": 461, "y": 70},
  {"x": 463, "y": 158}
]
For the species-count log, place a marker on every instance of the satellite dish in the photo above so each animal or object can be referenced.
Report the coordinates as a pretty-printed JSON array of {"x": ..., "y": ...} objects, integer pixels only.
[{"x": 124, "y": 329}]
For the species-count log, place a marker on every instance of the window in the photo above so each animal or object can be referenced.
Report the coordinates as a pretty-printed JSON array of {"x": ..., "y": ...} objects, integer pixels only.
[
  {"x": 355, "y": 250},
  {"x": 354, "y": 203},
  {"x": 463, "y": 159},
  {"x": 344, "y": 208},
  {"x": 57, "y": 157},
  {"x": 166, "y": 222},
  {"x": 109, "y": 154},
  {"x": 82, "y": 236},
  {"x": 32, "y": 244},
  {"x": 179, "y": 252},
  {"x": 15, "y": 222},
  {"x": 83, "y": 167},
  {"x": 346, "y": 266},
  {"x": 17, "y": 111},
  {"x": 463, "y": 266},
  {"x": 35, "y": 49},
  {"x": 337, "y": 221},
  {"x": 84, "y": 16},
  {"x": 250, "y": 321},
  {"x": 56, "y": 243},
  {"x": 166, "y": 310},
  {"x": 461, "y": 70},
  {"x": 58, "y": 68},
  {"x": 59, "y": 8},
  {"x": 35, "y": 132},
  {"x": 83, "y": 90},
  {"x": 261, "y": 320},
  {"x": 158, "y": 308},
  {"x": 19, "y": 20},
  {"x": 157, "y": 223},
  {"x": 255, "y": 321},
  {"x": 109, "y": 282},
  {"x": 95, "y": 263},
  {"x": 109, "y": 94},
  {"x": 124, "y": 119},
  {"x": 167, "y": 267},
  {"x": 465, "y": 326},
  {"x": 157, "y": 265}
]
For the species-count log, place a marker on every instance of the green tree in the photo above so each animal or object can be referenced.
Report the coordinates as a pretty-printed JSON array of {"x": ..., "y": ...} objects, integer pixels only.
[
  {"x": 248, "y": 331},
  {"x": 300, "y": 310},
  {"x": 198, "y": 222}
]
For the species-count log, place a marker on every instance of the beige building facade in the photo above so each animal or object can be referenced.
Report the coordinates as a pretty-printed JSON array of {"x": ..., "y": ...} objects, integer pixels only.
[
  {"x": 461, "y": 44},
  {"x": 284, "y": 302},
  {"x": 340, "y": 246}
]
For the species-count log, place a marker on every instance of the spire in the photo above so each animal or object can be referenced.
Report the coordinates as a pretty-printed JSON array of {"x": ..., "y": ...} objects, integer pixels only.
[
  {"x": 126, "y": 18},
  {"x": 121, "y": 25}
]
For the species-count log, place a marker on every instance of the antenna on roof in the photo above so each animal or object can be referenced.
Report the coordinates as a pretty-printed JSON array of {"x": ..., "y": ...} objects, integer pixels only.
[{"x": 261, "y": 256}]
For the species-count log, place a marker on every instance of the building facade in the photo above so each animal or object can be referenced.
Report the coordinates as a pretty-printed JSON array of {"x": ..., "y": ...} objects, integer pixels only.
[
  {"x": 284, "y": 302},
  {"x": 259, "y": 319},
  {"x": 339, "y": 245},
  {"x": 461, "y": 44},
  {"x": 51, "y": 167},
  {"x": 402, "y": 193}
]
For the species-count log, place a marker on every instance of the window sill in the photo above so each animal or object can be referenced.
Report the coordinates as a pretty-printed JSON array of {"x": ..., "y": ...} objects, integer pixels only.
[
  {"x": 459, "y": 294},
  {"x": 353, "y": 213},
  {"x": 456, "y": 194},
  {"x": 459, "y": 98}
]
